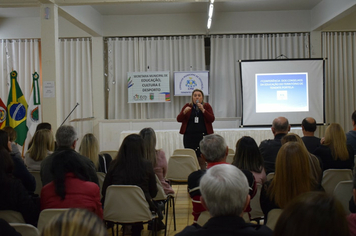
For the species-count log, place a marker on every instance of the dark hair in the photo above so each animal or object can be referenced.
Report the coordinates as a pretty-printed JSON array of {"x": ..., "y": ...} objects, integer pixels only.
[
  {"x": 6, "y": 163},
  {"x": 67, "y": 162},
  {"x": 313, "y": 214},
  {"x": 310, "y": 127},
  {"x": 248, "y": 155},
  {"x": 11, "y": 132},
  {"x": 353, "y": 117},
  {"x": 130, "y": 160},
  {"x": 43, "y": 125},
  {"x": 4, "y": 140}
]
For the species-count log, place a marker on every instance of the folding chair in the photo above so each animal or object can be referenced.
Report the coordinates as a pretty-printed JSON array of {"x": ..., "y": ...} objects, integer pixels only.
[
  {"x": 12, "y": 216},
  {"x": 37, "y": 176},
  {"x": 25, "y": 229},
  {"x": 180, "y": 167},
  {"x": 272, "y": 218},
  {"x": 343, "y": 192},
  {"x": 332, "y": 177},
  {"x": 47, "y": 215}
]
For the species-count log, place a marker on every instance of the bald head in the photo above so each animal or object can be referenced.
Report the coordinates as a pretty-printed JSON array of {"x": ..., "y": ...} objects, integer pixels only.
[{"x": 280, "y": 125}]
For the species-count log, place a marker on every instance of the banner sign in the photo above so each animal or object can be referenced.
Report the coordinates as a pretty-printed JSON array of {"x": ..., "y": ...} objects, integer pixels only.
[
  {"x": 148, "y": 87},
  {"x": 186, "y": 81}
]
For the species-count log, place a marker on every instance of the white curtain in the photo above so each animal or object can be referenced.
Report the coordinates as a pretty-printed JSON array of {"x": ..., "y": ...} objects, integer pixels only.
[
  {"x": 227, "y": 50},
  {"x": 340, "y": 91},
  {"x": 22, "y": 55},
  {"x": 176, "y": 53},
  {"x": 76, "y": 78}
]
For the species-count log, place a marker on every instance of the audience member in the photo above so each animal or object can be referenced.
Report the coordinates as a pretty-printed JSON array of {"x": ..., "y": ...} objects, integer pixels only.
[
  {"x": 75, "y": 222},
  {"x": 351, "y": 135},
  {"x": 351, "y": 218},
  {"x": 13, "y": 135},
  {"x": 42, "y": 146},
  {"x": 334, "y": 152},
  {"x": 132, "y": 168},
  {"x": 316, "y": 170},
  {"x": 214, "y": 151},
  {"x": 89, "y": 147},
  {"x": 312, "y": 214},
  {"x": 291, "y": 178},
  {"x": 20, "y": 171},
  {"x": 14, "y": 196},
  {"x": 157, "y": 157},
  {"x": 225, "y": 194},
  {"x": 70, "y": 187},
  {"x": 308, "y": 128},
  {"x": 7, "y": 230},
  {"x": 40, "y": 126},
  {"x": 66, "y": 138},
  {"x": 270, "y": 147},
  {"x": 248, "y": 157}
]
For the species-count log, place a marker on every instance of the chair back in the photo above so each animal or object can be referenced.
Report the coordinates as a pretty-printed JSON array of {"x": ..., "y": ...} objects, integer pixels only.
[
  {"x": 101, "y": 178},
  {"x": 231, "y": 151},
  {"x": 270, "y": 176},
  {"x": 343, "y": 192},
  {"x": 46, "y": 216},
  {"x": 37, "y": 176},
  {"x": 203, "y": 218},
  {"x": 25, "y": 229},
  {"x": 112, "y": 153},
  {"x": 180, "y": 167},
  {"x": 230, "y": 158},
  {"x": 332, "y": 177},
  {"x": 126, "y": 204},
  {"x": 272, "y": 218},
  {"x": 187, "y": 151},
  {"x": 161, "y": 195},
  {"x": 12, "y": 216},
  {"x": 256, "y": 211}
]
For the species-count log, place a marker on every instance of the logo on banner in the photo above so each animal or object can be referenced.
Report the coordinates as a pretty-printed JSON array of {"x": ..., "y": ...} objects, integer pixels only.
[
  {"x": 152, "y": 96},
  {"x": 191, "y": 83},
  {"x": 3, "y": 114},
  {"x": 34, "y": 115},
  {"x": 140, "y": 97}
]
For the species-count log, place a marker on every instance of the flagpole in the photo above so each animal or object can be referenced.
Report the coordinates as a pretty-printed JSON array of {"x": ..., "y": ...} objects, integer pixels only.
[{"x": 69, "y": 114}]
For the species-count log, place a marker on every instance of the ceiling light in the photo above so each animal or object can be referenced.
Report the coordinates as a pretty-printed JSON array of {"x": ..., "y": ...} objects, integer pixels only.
[
  {"x": 211, "y": 8},
  {"x": 209, "y": 23}
]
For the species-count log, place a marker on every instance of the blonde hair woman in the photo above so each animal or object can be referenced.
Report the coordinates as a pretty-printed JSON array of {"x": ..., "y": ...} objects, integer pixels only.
[
  {"x": 42, "y": 146},
  {"x": 89, "y": 147},
  {"x": 75, "y": 222},
  {"x": 334, "y": 152},
  {"x": 291, "y": 178}
]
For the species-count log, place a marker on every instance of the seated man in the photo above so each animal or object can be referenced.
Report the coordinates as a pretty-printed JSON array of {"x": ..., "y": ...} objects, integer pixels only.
[
  {"x": 351, "y": 135},
  {"x": 225, "y": 194},
  {"x": 213, "y": 151},
  {"x": 270, "y": 147},
  {"x": 308, "y": 128},
  {"x": 66, "y": 139}
]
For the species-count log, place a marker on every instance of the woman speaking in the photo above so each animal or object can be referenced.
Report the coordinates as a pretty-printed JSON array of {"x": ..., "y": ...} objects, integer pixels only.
[{"x": 197, "y": 118}]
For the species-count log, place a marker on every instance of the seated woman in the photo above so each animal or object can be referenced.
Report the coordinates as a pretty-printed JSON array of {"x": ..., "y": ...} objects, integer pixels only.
[
  {"x": 19, "y": 171},
  {"x": 313, "y": 214},
  {"x": 248, "y": 157},
  {"x": 131, "y": 168},
  {"x": 334, "y": 152},
  {"x": 157, "y": 157},
  {"x": 14, "y": 195},
  {"x": 71, "y": 187},
  {"x": 316, "y": 171},
  {"x": 41, "y": 126},
  {"x": 42, "y": 146},
  {"x": 13, "y": 135},
  {"x": 89, "y": 147},
  {"x": 291, "y": 178}
]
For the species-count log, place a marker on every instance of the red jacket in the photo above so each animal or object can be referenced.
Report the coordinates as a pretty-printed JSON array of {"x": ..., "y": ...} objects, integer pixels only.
[
  {"x": 208, "y": 118},
  {"x": 79, "y": 194}
]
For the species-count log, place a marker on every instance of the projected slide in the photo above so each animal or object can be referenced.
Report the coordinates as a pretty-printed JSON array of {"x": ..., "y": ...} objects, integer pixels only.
[{"x": 281, "y": 92}]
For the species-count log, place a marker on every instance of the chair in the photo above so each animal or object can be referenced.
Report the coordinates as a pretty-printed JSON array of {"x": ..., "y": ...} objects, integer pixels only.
[
  {"x": 343, "y": 192},
  {"x": 270, "y": 176},
  {"x": 12, "y": 216},
  {"x": 230, "y": 158},
  {"x": 37, "y": 176},
  {"x": 25, "y": 229},
  {"x": 187, "y": 151},
  {"x": 46, "y": 216},
  {"x": 332, "y": 177},
  {"x": 126, "y": 204},
  {"x": 203, "y": 218},
  {"x": 256, "y": 211},
  {"x": 112, "y": 153},
  {"x": 231, "y": 151},
  {"x": 168, "y": 200},
  {"x": 180, "y": 167},
  {"x": 272, "y": 218},
  {"x": 101, "y": 177}
]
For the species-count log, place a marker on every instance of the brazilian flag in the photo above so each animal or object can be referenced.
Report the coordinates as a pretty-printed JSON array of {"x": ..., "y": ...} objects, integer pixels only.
[{"x": 17, "y": 110}]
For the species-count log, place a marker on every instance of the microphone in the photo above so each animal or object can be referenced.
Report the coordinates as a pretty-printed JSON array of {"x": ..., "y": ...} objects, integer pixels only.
[{"x": 196, "y": 105}]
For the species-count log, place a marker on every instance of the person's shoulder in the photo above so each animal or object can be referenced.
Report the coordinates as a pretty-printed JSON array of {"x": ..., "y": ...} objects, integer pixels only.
[
  {"x": 196, "y": 174},
  {"x": 189, "y": 230},
  {"x": 259, "y": 230}
]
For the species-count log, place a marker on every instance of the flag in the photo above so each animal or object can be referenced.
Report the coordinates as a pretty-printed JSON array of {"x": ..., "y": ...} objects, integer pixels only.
[
  {"x": 3, "y": 114},
  {"x": 17, "y": 110},
  {"x": 34, "y": 111}
]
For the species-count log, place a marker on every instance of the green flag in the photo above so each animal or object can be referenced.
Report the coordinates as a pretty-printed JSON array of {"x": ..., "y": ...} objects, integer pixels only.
[{"x": 17, "y": 110}]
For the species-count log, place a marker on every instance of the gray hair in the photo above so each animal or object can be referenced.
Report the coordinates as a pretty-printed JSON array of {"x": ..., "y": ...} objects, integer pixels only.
[
  {"x": 224, "y": 189},
  {"x": 213, "y": 147},
  {"x": 65, "y": 136}
]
